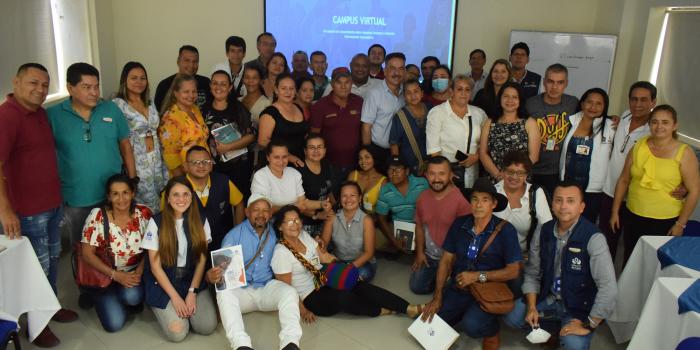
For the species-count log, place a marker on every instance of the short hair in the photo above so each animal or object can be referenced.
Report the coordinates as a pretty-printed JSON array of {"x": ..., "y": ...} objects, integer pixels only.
[
  {"x": 279, "y": 217},
  {"x": 437, "y": 160},
  {"x": 430, "y": 58},
  {"x": 557, "y": 68},
  {"x": 75, "y": 72},
  {"x": 187, "y": 48},
  {"x": 301, "y": 52},
  {"x": 313, "y": 136},
  {"x": 376, "y": 45},
  {"x": 275, "y": 143},
  {"x": 411, "y": 65},
  {"x": 521, "y": 45},
  {"x": 643, "y": 85},
  {"x": 357, "y": 56},
  {"x": 462, "y": 77},
  {"x": 122, "y": 93},
  {"x": 196, "y": 148},
  {"x": 477, "y": 51},
  {"x": 353, "y": 184},
  {"x": 393, "y": 55},
  {"x": 235, "y": 41},
  {"x": 257, "y": 41},
  {"x": 569, "y": 183},
  {"x": 409, "y": 82},
  {"x": 317, "y": 53},
  {"x": 23, "y": 68},
  {"x": 517, "y": 157}
]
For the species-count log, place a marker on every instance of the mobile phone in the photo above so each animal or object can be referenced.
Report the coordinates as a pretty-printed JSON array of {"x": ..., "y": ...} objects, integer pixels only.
[{"x": 460, "y": 156}]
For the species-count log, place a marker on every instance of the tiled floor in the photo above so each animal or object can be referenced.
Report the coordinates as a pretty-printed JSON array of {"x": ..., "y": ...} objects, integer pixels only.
[{"x": 341, "y": 332}]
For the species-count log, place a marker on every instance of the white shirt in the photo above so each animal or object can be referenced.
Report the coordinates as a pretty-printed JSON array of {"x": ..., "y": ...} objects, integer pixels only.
[
  {"x": 447, "y": 133},
  {"x": 224, "y": 66},
  {"x": 283, "y": 261},
  {"x": 520, "y": 217},
  {"x": 360, "y": 90},
  {"x": 618, "y": 154},
  {"x": 478, "y": 84},
  {"x": 151, "y": 242},
  {"x": 280, "y": 191}
]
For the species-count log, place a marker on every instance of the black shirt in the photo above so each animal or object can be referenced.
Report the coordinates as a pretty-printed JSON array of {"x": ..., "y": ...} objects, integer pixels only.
[
  {"x": 293, "y": 134},
  {"x": 317, "y": 186},
  {"x": 203, "y": 93},
  {"x": 235, "y": 113}
]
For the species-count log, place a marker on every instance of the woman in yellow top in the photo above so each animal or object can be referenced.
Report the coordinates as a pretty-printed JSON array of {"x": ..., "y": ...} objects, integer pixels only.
[
  {"x": 657, "y": 165},
  {"x": 182, "y": 125},
  {"x": 369, "y": 179}
]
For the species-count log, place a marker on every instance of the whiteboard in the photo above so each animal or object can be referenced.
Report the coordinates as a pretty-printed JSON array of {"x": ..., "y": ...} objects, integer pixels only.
[{"x": 588, "y": 57}]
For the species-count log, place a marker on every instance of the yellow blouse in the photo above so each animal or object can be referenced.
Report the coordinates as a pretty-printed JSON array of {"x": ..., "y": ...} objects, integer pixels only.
[
  {"x": 178, "y": 132},
  {"x": 371, "y": 195},
  {"x": 651, "y": 181}
]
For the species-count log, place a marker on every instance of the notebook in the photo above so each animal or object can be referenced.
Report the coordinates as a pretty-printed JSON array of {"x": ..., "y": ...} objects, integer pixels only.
[{"x": 436, "y": 335}]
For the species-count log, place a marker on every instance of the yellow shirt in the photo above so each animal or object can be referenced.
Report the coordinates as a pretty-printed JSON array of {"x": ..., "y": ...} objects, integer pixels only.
[
  {"x": 234, "y": 194},
  {"x": 178, "y": 132},
  {"x": 371, "y": 196},
  {"x": 651, "y": 181}
]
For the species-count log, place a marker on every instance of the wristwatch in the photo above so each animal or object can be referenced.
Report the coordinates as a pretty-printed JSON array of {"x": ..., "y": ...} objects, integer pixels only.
[
  {"x": 482, "y": 277},
  {"x": 587, "y": 325},
  {"x": 192, "y": 290}
]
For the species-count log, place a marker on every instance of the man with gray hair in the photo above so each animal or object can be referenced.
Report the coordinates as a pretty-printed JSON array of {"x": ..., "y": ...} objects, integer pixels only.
[{"x": 300, "y": 65}]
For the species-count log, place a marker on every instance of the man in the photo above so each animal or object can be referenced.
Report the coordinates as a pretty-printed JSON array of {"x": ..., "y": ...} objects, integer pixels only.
[
  {"x": 319, "y": 65},
  {"x": 218, "y": 196},
  {"x": 337, "y": 118},
  {"x": 463, "y": 262},
  {"x": 359, "y": 72},
  {"x": 263, "y": 293},
  {"x": 266, "y": 44},
  {"x": 477, "y": 60},
  {"x": 382, "y": 102},
  {"x": 30, "y": 190},
  {"x": 235, "y": 52},
  {"x": 300, "y": 65},
  {"x": 436, "y": 210},
  {"x": 427, "y": 64},
  {"x": 634, "y": 124},
  {"x": 551, "y": 110},
  {"x": 569, "y": 273},
  {"x": 187, "y": 63},
  {"x": 376, "y": 54},
  {"x": 398, "y": 197},
  {"x": 529, "y": 81}
]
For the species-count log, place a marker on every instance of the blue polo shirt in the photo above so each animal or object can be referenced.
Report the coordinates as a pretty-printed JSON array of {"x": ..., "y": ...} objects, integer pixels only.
[
  {"x": 260, "y": 271},
  {"x": 88, "y": 151},
  {"x": 504, "y": 250},
  {"x": 401, "y": 207}
]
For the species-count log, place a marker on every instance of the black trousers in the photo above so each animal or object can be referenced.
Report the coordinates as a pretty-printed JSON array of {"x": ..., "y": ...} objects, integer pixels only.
[
  {"x": 239, "y": 171},
  {"x": 365, "y": 299},
  {"x": 637, "y": 226}
]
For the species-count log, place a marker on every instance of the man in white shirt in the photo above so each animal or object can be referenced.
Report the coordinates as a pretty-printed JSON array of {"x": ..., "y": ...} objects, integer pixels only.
[
  {"x": 477, "y": 60},
  {"x": 235, "y": 52}
]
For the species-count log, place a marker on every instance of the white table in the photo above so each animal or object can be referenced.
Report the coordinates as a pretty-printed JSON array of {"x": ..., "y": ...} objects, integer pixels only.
[
  {"x": 24, "y": 287},
  {"x": 635, "y": 283},
  {"x": 661, "y": 327}
]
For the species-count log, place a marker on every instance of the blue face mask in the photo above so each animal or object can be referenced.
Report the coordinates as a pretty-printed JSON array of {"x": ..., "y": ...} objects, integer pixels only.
[{"x": 439, "y": 84}]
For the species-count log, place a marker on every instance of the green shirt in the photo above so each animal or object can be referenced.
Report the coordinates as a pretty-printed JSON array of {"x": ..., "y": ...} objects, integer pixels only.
[
  {"x": 402, "y": 207},
  {"x": 88, "y": 152}
]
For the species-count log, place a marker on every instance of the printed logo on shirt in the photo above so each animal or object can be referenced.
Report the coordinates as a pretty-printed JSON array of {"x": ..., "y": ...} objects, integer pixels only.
[
  {"x": 332, "y": 115},
  {"x": 576, "y": 264},
  {"x": 149, "y": 236},
  {"x": 354, "y": 111},
  {"x": 553, "y": 129}
]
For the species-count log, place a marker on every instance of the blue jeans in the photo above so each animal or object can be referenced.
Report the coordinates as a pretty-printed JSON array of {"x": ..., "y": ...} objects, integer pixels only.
[
  {"x": 43, "y": 232},
  {"x": 423, "y": 280},
  {"x": 516, "y": 319},
  {"x": 462, "y": 311},
  {"x": 367, "y": 271},
  {"x": 111, "y": 305}
]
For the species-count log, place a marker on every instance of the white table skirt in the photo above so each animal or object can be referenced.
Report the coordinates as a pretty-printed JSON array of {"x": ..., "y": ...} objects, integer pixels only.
[
  {"x": 635, "y": 283},
  {"x": 24, "y": 287}
]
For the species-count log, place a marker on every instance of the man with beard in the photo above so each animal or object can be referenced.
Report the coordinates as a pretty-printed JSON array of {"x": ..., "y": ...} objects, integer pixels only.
[{"x": 436, "y": 209}]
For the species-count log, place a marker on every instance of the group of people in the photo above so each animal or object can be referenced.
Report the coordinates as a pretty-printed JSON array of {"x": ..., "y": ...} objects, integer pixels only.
[{"x": 501, "y": 182}]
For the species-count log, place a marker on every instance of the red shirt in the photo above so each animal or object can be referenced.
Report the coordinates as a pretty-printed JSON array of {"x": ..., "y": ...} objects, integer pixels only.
[
  {"x": 340, "y": 128},
  {"x": 28, "y": 154},
  {"x": 439, "y": 214}
]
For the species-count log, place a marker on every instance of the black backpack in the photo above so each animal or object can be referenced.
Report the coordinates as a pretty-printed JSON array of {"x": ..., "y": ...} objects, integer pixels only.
[{"x": 533, "y": 214}]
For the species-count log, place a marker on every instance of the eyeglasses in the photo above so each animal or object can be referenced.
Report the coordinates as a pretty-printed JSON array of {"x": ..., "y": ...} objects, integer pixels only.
[
  {"x": 87, "y": 133},
  {"x": 513, "y": 173},
  {"x": 624, "y": 143},
  {"x": 202, "y": 162},
  {"x": 395, "y": 170},
  {"x": 292, "y": 222}
]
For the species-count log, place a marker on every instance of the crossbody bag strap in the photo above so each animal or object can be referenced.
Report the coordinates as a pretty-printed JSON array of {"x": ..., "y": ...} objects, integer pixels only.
[
  {"x": 469, "y": 137},
  {"x": 105, "y": 229},
  {"x": 260, "y": 249},
  {"x": 411, "y": 138},
  {"x": 493, "y": 235}
]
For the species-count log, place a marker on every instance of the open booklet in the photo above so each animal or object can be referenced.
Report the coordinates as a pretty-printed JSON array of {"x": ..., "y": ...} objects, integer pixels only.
[
  {"x": 405, "y": 231},
  {"x": 230, "y": 259},
  {"x": 227, "y": 134}
]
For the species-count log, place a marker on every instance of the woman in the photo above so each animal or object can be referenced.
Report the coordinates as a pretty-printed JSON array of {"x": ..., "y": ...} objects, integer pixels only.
[
  {"x": 319, "y": 180},
  {"x": 305, "y": 95},
  {"x": 133, "y": 100},
  {"x": 368, "y": 178},
  {"x": 255, "y": 100},
  {"x": 297, "y": 261},
  {"x": 412, "y": 72},
  {"x": 453, "y": 130},
  {"x": 352, "y": 231},
  {"x": 438, "y": 90},
  {"x": 407, "y": 135},
  {"x": 284, "y": 120},
  {"x": 585, "y": 152},
  {"x": 182, "y": 124},
  {"x": 279, "y": 183},
  {"x": 126, "y": 225},
  {"x": 512, "y": 131},
  {"x": 487, "y": 98},
  {"x": 275, "y": 66},
  {"x": 231, "y": 152},
  {"x": 657, "y": 165},
  {"x": 176, "y": 240}
]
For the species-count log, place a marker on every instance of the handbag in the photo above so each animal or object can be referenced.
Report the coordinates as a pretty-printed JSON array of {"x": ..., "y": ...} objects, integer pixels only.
[
  {"x": 341, "y": 276},
  {"x": 493, "y": 297},
  {"x": 87, "y": 276}
]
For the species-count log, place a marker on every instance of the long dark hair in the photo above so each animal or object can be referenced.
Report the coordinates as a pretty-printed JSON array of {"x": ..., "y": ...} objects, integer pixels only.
[
  {"x": 521, "y": 113},
  {"x": 429, "y": 86},
  {"x": 606, "y": 103},
  {"x": 123, "y": 93},
  {"x": 120, "y": 178}
]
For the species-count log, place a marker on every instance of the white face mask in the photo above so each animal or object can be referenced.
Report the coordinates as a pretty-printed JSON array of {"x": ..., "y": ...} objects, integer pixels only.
[{"x": 538, "y": 336}]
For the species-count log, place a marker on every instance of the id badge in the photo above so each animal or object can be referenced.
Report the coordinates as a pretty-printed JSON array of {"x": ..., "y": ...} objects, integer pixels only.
[
  {"x": 550, "y": 145},
  {"x": 557, "y": 285},
  {"x": 583, "y": 150},
  {"x": 472, "y": 251}
]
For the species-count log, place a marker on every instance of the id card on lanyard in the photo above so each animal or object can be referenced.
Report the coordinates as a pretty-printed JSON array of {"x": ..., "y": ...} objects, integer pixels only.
[{"x": 473, "y": 249}]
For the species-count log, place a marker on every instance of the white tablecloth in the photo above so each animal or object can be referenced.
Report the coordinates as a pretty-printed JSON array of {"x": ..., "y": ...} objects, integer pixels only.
[
  {"x": 24, "y": 287},
  {"x": 661, "y": 327},
  {"x": 639, "y": 275}
]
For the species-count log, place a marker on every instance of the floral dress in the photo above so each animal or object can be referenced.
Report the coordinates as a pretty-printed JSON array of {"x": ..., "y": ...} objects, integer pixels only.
[
  {"x": 149, "y": 165},
  {"x": 504, "y": 138},
  {"x": 125, "y": 245},
  {"x": 178, "y": 132}
]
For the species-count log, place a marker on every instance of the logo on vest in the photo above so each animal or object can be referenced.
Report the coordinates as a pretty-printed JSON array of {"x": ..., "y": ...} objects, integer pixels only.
[{"x": 576, "y": 264}]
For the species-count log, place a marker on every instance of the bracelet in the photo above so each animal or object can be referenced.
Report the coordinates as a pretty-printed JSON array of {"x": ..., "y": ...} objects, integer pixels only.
[
  {"x": 681, "y": 225},
  {"x": 112, "y": 276},
  {"x": 191, "y": 290},
  {"x": 593, "y": 323}
]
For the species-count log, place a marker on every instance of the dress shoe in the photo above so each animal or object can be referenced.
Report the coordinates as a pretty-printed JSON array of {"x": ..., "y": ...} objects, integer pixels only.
[
  {"x": 65, "y": 316},
  {"x": 46, "y": 339},
  {"x": 290, "y": 346},
  {"x": 244, "y": 348}
]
